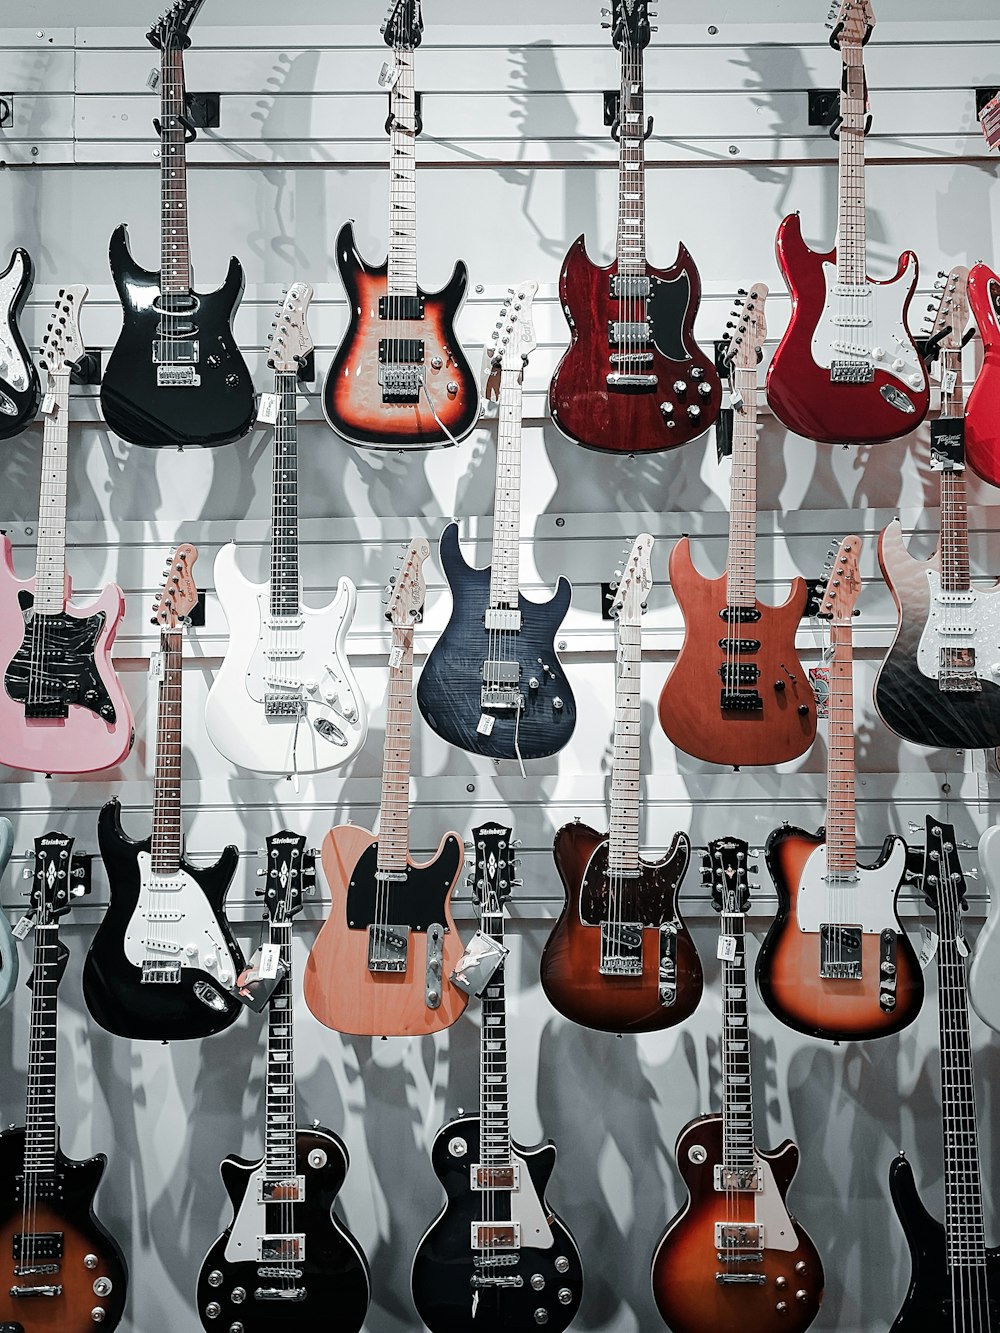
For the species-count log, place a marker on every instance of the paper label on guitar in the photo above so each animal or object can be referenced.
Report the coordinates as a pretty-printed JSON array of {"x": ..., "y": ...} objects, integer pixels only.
[
  {"x": 389, "y": 75},
  {"x": 485, "y": 726},
  {"x": 395, "y": 657},
  {"x": 476, "y": 967},
  {"x": 819, "y": 679},
  {"x": 267, "y": 410},
  {"x": 948, "y": 381},
  {"x": 259, "y": 979},
  {"x": 270, "y": 957},
  {"x": 727, "y": 948},
  {"x": 157, "y": 666},
  {"x": 153, "y": 79},
  {"x": 929, "y": 940},
  {"x": 48, "y": 405},
  {"x": 23, "y": 927}
]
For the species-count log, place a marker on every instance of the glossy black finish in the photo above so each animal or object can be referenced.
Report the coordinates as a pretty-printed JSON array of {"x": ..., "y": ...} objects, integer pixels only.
[
  {"x": 334, "y": 1272},
  {"x": 420, "y": 902},
  {"x": 450, "y": 683},
  {"x": 18, "y": 407},
  {"x": 220, "y": 409},
  {"x": 64, "y": 651},
  {"x": 113, "y": 987},
  {"x": 443, "y": 1264},
  {"x": 928, "y": 1306}
]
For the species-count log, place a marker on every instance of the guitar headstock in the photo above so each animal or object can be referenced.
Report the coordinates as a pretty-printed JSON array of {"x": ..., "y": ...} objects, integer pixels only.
[
  {"x": 170, "y": 31},
  {"x": 634, "y": 581},
  {"x": 513, "y": 338},
  {"x": 403, "y": 25},
  {"x": 943, "y": 881},
  {"x": 407, "y": 590},
  {"x": 843, "y": 587},
  {"x": 291, "y": 342},
  {"x": 950, "y": 317},
  {"x": 629, "y": 23},
  {"x": 62, "y": 342},
  {"x": 494, "y": 873},
  {"x": 179, "y": 595},
  {"x": 745, "y": 344},
  {"x": 287, "y": 877},
  {"x": 729, "y": 871},
  {"x": 852, "y": 22},
  {"x": 50, "y": 880}
]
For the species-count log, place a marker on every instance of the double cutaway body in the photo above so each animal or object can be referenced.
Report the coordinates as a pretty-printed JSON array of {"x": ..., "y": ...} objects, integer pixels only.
[
  {"x": 620, "y": 958},
  {"x": 493, "y": 1288},
  {"x": 982, "y": 412},
  {"x": 175, "y": 377},
  {"x": 163, "y": 958},
  {"x": 400, "y": 379},
  {"x": 286, "y": 1264},
  {"x": 775, "y": 1285},
  {"x": 20, "y": 389},
  {"x": 633, "y": 379}
]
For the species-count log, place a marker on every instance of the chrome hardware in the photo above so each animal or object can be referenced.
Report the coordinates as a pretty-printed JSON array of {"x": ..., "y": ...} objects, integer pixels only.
[
  {"x": 452, "y": 389},
  {"x": 236, "y": 1327},
  {"x": 705, "y": 390},
  {"x": 436, "y": 363},
  {"x": 388, "y": 948},
  {"x": 840, "y": 952},
  {"x": 887, "y": 971},
  {"x": 98, "y": 1314},
  {"x": 212, "y": 1310},
  {"x": 802, "y": 1295},
  {"x": 621, "y": 949},
  {"x": 238, "y": 1295},
  {"x": 317, "y": 1158},
  {"x": 667, "y": 409},
  {"x": 435, "y": 962},
  {"x": 90, "y": 1261},
  {"x": 694, "y": 412},
  {"x": 557, "y": 704},
  {"x": 534, "y": 683},
  {"x": 781, "y": 1283},
  {"x": 458, "y": 1147},
  {"x": 697, "y": 373},
  {"x": 562, "y": 1264},
  {"x": 541, "y": 1316},
  {"x": 800, "y": 1267},
  {"x": 102, "y": 1286},
  {"x": 215, "y": 1278},
  {"x": 667, "y": 974},
  {"x": 697, "y": 1154},
  {"x": 680, "y": 386},
  {"x": 782, "y": 1307},
  {"x": 537, "y": 1282},
  {"x": 565, "y": 1295}
]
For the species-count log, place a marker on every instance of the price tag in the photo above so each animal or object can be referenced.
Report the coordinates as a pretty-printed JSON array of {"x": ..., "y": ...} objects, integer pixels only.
[
  {"x": 485, "y": 726},
  {"x": 267, "y": 410},
  {"x": 49, "y": 405},
  {"x": 474, "y": 970},
  {"x": 727, "y": 948},
  {"x": 389, "y": 75},
  {"x": 736, "y": 401},
  {"x": 948, "y": 381},
  {"x": 259, "y": 979},
  {"x": 153, "y": 79},
  {"x": 270, "y": 955},
  {"x": 157, "y": 666},
  {"x": 395, "y": 657},
  {"x": 23, "y": 927},
  {"x": 929, "y": 940}
]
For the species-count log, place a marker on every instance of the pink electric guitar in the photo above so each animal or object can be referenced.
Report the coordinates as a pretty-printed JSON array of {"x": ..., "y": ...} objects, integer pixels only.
[
  {"x": 62, "y": 708},
  {"x": 982, "y": 411}
]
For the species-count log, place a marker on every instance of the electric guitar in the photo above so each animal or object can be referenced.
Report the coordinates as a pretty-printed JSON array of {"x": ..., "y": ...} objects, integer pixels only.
[
  {"x": 497, "y": 1259},
  {"x": 620, "y": 958},
  {"x": 8, "y": 949},
  {"x": 633, "y": 379},
  {"x": 492, "y": 683},
  {"x": 175, "y": 376},
  {"x": 59, "y": 1268},
  {"x": 286, "y": 1261},
  {"x": 400, "y": 379},
  {"x": 20, "y": 389},
  {"x": 983, "y": 989},
  {"x": 940, "y": 683},
  {"x": 163, "y": 959},
  {"x": 763, "y": 710},
  {"x": 285, "y": 699},
  {"x": 954, "y": 1279},
  {"x": 62, "y": 708},
  {"x": 381, "y": 960},
  {"x": 982, "y": 445},
  {"x": 836, "y": 962},
  {"x": 846, "y": 370},
  {"x": 734, "y": 1260}
]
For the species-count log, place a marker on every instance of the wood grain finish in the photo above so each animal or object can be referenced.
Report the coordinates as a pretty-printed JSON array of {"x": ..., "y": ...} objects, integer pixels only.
[
  {"x": 982, "y": 414},
  {"x": 570, "y": 964}
]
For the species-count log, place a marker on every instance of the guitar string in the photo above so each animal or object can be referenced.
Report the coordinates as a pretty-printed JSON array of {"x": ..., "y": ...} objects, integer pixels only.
[
  {"x": 33, "y": 1112},
  {"x": 401, "y": 272},
  {"x": 52, "y": 516},
  {"x": 175, "y": 261}
]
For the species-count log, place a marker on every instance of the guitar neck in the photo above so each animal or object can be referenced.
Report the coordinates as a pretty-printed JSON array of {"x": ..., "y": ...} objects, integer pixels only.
[
  {"x": 166, "y": 839},
  {"x": 279, "y": 1133},
  {"x": 841, "y": 836},
  {"x": 394, "y": 812},
  {"x": 494, "y": 1108},
  {"x": 402, "y": 270},
  {"x": 623, "y": 842},
  {"x": 286, "y": 589},
  {"x": 852, "y": 240},
  {"x": 175, "y": 253},
  {"x": 737, "y": 1090},
  {"x": 955, "y": 573},
  {"x": 741, "y": 567},
  {"x": 50, "y": 554},
  {"x": 631, "y": 165},
  {"x": 505, "y": 567},
  {"x": 41, "y": 1132}
]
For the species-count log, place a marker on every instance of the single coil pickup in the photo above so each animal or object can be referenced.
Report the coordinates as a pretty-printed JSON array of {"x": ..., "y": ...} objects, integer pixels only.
[
  {"x": 496, "y": 1235},
  {"x": 739, "y": 673},
  {"x": 283, "y": 705},
  {"x": 177, "y": 377},
  {"x": 629, "y": 287},
  {"x": 507, "y": 1177},
  {"x": 625, "y": 331},
  {"x": 477, "y": 1282},
  {"x": 740, "y": 615},
  {"x": 281, "y": 1249},
  {"x": 621, "y": 949},
  {"x": 278, "y": 1274},
  {"x": 850, "y": 322},
  {"x": 400, "y": 384},
  {"x": 731, "y": 1237},
  {"x": 51, "y": 1289},
  {"x": 36, "y": 1270},
  {"x": 956, "y": 632},
  {"x": 279, "y": 1294},
  {"x": 37, "y": 1245},
  {"x": 161, "y": 974},
  {"x": 631, "y": 358},
  {"x": 746, "y": 1178},
  {"x": 856, "y": 291},
  {"x": 618, "y": 379},
  {"x": 509, "y": 1260},
  {"x": 753, "y": 1279},
  {"x": 282, "y": 655},
  {"x": 504, "y": 618},
  {"x": 955, "y": 599},
  {"x": 852, "y": 372},
  {"x": 400, "y": 307},
  {"x": 174, "y": 352},
  {"x": 401, "y": 351},
  {"x": 388, "y": 948},
  {"x": 164, "y": 916},
  {"x": 292, "y": 1189},
  {"x": 840, "y": 952},
  {"x": 36, "y": 709},
  {"x": 164, "y": 946},
  {"x": 745, "y": 701},
  {"x": 740, "y": 645},
  {"x": 43, "y": 1189}
]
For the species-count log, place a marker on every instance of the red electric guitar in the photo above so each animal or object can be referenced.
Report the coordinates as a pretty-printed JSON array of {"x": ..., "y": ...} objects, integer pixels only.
[
  {"x": 982, "y": 412},
  {"x": 847, "y": 370}
]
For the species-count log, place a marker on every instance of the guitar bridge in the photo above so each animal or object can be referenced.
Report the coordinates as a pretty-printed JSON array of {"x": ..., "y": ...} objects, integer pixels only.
[
  {"x": 284, "y": 705},
  {"x": 957, "y": 669},
  {"x": 840, "y": 952},
  {"x": 388, "y": 948},
  {"x": 36, "y": 709},
  {"x": 621, "y": 949},
  {"x": 618, "y": 379},
  {"x": 161, "y": 974},
  {"x": 741, "y": 701},
  {"x": 400, "y": 384},
  {"x": 852, "y": 372}
]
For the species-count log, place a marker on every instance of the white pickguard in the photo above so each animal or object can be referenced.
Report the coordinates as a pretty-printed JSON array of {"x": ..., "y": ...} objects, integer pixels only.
[
  {"x": 173, "y": 922},
  {"x": 961, "y": 620},
  {"x": 12, "y": 365},
  {"x": 249, "y": 1224},
  {"x": 770, "y": 1212},
  {"x": 866, "y": 325},
  {"x": 868, "y": 901},
  {"x": 984, "y": 974},
  {"x": 305, "y": 662},
  {"x": 527, "y": 1209}
]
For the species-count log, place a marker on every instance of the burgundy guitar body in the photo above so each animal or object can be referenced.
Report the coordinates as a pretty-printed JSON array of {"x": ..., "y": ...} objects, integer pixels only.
[
  {"x": 800, "y": 391},
  {"x": 633, "y": 420},
  {"x": 982, "y": 411}
]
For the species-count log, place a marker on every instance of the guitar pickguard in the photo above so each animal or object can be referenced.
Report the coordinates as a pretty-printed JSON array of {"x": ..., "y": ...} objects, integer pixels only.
[
  {"x": 173, "y": 922},
  {"x": 868, "y": 900},
  {"x": 961, "y": 636},
  {"x": 669, "y": 299},
  {"x": 14, "y": 369},
  {"x": 417, "y": 899},
  {"x": 61, "y": 648},
  {"x": 648, "y": 899}
]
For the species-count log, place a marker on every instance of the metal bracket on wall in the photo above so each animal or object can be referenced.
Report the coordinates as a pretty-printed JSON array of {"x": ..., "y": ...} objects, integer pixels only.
[
  {"x": 824, "y": 106},
  {"x": 6, "y": 110},
  {"x": 203, "y": 110},
  {"x": 87, "y": 369},
  {"x": 418, "y": 114},
  {"x": 196, "y": 616}
]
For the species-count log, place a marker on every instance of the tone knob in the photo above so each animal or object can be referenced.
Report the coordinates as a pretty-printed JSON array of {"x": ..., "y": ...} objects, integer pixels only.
[
  {"x": 917, "y": 381},
  {"x": 802, "y": 1295},
  {"x": 694, "y": 411},
  {"x": 215, "y": 1278},
  {"x": 436, "y": 363},
  {"x": 236, "y": 1327},
  {"x": 565, "y": 1295},
  {"x": 209, "y": 960},
  {"x": 213, "y": 359},
  {"x": 90, "y": 1261},
  {"x": 782, "y": 1307},
  {"x": 212, "y": 1310},
  {"x": 102, "y": 1286},
  {"x": 562, "y": 1264},
  {"x": 537, "y": 1282},
  {"x": 534, "y": 683},
  {"x": 781, "y": 1283},
  {"x": 800, "y": 1267},
  {"x": 803, "y": 710},
  {"x": 452, "y": 389},
  {"x": 232, "y": 381},
  {"x": 97, "y": 1314},
  {"x": 680, "y": 386},
  {"x": 317, "y": 1158},
  {"x": 705, "y": 390},
  {"x": 898, "y": 364},
  {"x": 878, "y": 353},
  {"x": 238, "y": 1296},
  {"x": 779, "y": 685},
  {"x": 667, "y": 409},
  {"x": 541, "y": 1316},
  {"x": 557, "y": 704},
  {"x": 888, "y": 969}
]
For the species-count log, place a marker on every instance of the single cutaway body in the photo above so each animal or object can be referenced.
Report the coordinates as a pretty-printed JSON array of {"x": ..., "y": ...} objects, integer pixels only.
[
  {"x": 399, "y": 383},
  {"x": 53, "y": 1241},
  {"x": 452, "y": 679},
  {"x": 862, "y": 329},
  {"x": 982, "y": 411},
  {"x": 620, "y": 958},
  {"x": 8, "y": 949},
  {"x": 179, "y": 383},
  {"x": 185, "y": 911},
  {"x": 984, "y": 970},
  {"x": 20, "y": 389},
  {"x": 706, "y": 707},
  {"x": 911, "y": 702},
  {"x": 847, "y": 928},
  {"x": 367, "y": 973},
  {"x": 494, "y": 1288},
  {"x": 675, "y": 394},
  {"x": 774, "y": 1286},
  {"x": 286, "y": 1267}
]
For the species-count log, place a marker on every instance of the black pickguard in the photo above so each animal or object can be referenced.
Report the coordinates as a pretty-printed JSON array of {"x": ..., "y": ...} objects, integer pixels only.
[
  {"x": 217, "y": 411},
  {"x": 449, "y": 687},
  {"x": 669, "y": 300},
  {"x": 418, "y": 903},
  {"x": 65, "y": 647},
  {"x": 113, "y": 987},
  {"x": 18, "y": 407},
  {"x": 650, "y": 899}
]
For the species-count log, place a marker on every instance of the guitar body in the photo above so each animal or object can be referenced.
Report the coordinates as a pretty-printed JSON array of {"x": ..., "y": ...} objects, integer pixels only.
[
  {"x": 909, "y": 700},
  {"x": 685, "y": 1264},
  {"x": 635, "y": 420},
  {"x": 984, "y": 971},
  {"x": 788, "y": 964},
  {"x": 352, "y": 394},
  {"x": 96, "y": 731},
  {"x": 571, "y": 959},
  {"x": 217, "y": 410},
  {"x": 929, "y": 1305},
  {"x": 982, "y": 411},
  {"x": 8, "y": 948},
  {"x": 20, "y": 389},
  {"x": 450, "y": 684},
  {"x": 799, "y": 387},
  {"x": 338, "y": 986},
  {"x": 443, "y": 1266},
  {"x": 690, "y": 701},
  {"x": 70, "y": 1214},
  {"x": 113, "y": 987},
  {"x": 335, "y": 724},
  {"x": 334, "y": 1272}
]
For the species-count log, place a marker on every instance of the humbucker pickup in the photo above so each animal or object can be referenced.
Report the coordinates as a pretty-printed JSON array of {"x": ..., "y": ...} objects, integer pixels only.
[
  {"x": 175, "y": 351},
  {"x": 401, "y": 351},
  {"x": 502, "y": 618},
  {"x": 630, "y": 287},
  {"x": 496, "y": 1235},
  {"x": 281, "y": 1249},
  {"x": 292, "y": 1189},
  {"x": 745, "y": 1178},
  {"x": 501, "y": 673},
  {"x": 840, "y": 952},
  {"x": 400, "y": 307},
  {"x": 44, "y": 1189},
  {"x": 507, "y": 1177},
  {"x": 738, "y": 1237},
  {"x": 741, "y": 701},
  {"x": 161, "y": 974},
  {"x": 852, "y": 372},
  {"x": 628, "y": 331},
  {"x": 284, "y": 705},
  {"x": 38, "y": 1246},
  {"x": 388, "y": 948},
  {"x": 740, "y": 673}
]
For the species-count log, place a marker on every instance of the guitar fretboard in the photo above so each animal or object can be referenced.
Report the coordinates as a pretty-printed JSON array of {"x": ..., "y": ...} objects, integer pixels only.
[
  {"x": 175, "y": 254},
  {"x": 402, "y": 271},
  {"x": 286, "y": 591},
  {"x": 841, "y": 836},
  {"x": 166, "y": 840},
  {"x": 852, "y": 240},
  {"x": 41, "y": 1133},
  {"x": 394, "y": 813},
  {"x": 623, "y": 843},
  {"x": 50, "y": 554},
  {"x": 631, "y": 165},
  {"x": 955, "y": 574},
  {"x": 494, "y": 1112},
  {"x": 504, "y": 571},
  {"x": 279, "y": 1134},
  {"x": 741, "y": 567},
  {"x": 737, "y": 1089}
]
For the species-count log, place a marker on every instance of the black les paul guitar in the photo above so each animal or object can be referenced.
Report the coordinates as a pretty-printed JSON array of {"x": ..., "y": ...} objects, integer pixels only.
[
  {"x": 20, "y": 388},
  {"x": 176, "y": 376}
]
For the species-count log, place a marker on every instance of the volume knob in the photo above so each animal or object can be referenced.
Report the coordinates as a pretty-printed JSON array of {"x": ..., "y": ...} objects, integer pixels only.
[
  {"x": 694, "y": 411},
  {"x": 541, "y": 1316},
  {"x": 212, "y": 1310}
]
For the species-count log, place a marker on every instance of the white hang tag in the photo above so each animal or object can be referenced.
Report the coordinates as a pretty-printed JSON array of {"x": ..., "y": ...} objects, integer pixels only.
[
  {"x": 49, "y": 405},
  {"x": 389, "y": 75},
  {"x": 270, "y": 955},
  {"x": 477, "y": 965},
  {"x": 485, "y": 725},
  {"x": 736, "y": 401},
  {"x": 23, "y": 927},
  {"x": 727, "y": 948},
  {"x": 157, "y": 666},
  {"x": 395, "y": 657},
  {"x": 153, "y": 79},
  {"x": 929, "y": 940},
  {"x": 948, "y": 381},
  {"x": 267, "y": 410}
]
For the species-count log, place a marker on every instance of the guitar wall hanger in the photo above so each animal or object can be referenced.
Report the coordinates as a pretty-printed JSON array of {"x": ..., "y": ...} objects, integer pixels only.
[
  {"x": 418, "y": 114},
  {"x": 612, "y": 114}
]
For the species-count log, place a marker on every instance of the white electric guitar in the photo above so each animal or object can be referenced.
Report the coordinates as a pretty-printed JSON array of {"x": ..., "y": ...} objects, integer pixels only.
[
  {"x": 984, "y": 987},
  {"x": 286, "y": 699}
]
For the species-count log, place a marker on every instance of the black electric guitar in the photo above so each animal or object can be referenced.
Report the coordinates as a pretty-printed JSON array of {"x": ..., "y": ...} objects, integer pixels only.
[
  {"x": 954, "y": 1278},
  {"x": 163, "y": 959},
  {"x": 60, "y": 1270},
  {"x": 20, "y": 388},
  {"x": 286, "y": 1261},
  {"x": 497, "y": 1259},
  {"x": 176, "y": 376}
]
